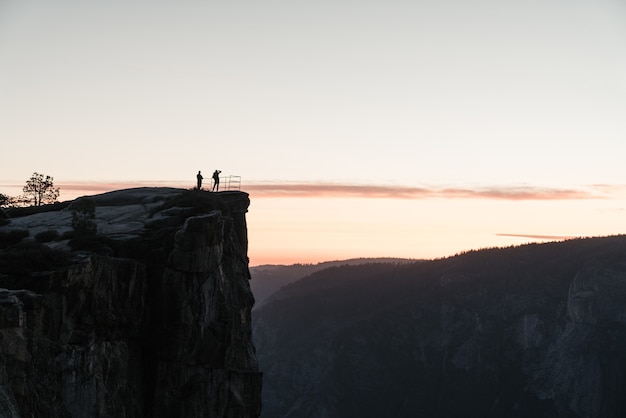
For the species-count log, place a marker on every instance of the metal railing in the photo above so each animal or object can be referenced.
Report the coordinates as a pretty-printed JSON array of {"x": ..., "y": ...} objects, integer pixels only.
[{"x": 230, "y": 183}]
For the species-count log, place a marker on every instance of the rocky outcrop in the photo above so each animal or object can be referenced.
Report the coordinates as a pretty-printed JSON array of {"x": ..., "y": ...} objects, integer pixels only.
[
  {"x": 158, "y": 326},
  {"x": 70, "y": 343},
  {"x": 584, "y": 368}
]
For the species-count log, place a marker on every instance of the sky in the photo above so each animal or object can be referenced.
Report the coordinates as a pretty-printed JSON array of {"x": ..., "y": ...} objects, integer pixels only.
[{"x": 413, "y": 129}]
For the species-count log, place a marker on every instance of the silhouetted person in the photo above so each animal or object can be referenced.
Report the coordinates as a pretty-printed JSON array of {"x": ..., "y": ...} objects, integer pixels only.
[
  {"x": 199, "y": 177},
  {"x": 216, "y": 180}
]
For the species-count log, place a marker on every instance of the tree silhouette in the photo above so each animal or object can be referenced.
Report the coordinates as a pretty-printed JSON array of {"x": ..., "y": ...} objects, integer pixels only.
[{"x": 40, "y": 190}]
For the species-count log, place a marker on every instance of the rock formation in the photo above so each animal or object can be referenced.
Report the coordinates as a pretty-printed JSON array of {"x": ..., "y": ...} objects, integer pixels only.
[{"x": 153, "y": 323}]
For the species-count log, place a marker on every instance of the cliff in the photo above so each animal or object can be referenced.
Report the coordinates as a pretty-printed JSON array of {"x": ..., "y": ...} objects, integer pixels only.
[
  {"x": 148, "y": 318},
  {"x": 530, "y": 331}
]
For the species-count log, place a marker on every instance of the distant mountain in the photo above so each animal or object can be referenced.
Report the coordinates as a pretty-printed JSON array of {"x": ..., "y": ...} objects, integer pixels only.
[
  {"x": 268, "y": 278},
  {"x": 531, "y": 331}
]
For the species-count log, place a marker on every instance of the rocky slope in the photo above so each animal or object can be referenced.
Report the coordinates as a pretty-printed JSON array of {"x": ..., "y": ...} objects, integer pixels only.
[
  {"x": 149, "y": 318},
  {"x": 537, "y": 330}
]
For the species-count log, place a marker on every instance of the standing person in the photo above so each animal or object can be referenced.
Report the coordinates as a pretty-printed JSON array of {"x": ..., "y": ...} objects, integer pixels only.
[
  {"x": 199, "y": 177},
  {"x": 216, "y": 180}
]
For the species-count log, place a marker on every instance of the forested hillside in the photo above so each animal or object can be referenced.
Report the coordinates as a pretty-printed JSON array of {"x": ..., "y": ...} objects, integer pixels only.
[
  {"x": 269, "y": 278},
  {"x": 536, "y": 330}
]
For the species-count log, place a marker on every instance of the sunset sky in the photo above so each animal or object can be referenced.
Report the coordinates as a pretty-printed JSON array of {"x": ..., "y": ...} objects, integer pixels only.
[{"x": 360, "y": 129}]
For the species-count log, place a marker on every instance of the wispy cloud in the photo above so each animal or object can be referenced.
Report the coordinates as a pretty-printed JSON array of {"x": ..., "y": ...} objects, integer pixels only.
[
  {"x": 273, "y": 190},
  {"x": 532, "y": 236},
  {"x": 344, "y": 190}
]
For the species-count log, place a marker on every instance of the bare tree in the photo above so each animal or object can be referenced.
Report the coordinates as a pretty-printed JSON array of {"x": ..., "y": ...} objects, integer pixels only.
[{"x": 40, "y": 190}]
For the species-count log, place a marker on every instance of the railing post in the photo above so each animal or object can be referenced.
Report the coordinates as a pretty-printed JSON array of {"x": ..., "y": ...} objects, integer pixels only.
[{"x": 229, "y": 182}]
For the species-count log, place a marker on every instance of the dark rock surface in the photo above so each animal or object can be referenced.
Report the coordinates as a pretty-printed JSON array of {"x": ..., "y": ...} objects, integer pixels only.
[
  {"x": 530, "y": 331},
  {"x": 156, "y": 324}
]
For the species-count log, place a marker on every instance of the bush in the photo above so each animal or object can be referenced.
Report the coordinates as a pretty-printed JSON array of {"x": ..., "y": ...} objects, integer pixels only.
[
  {"x": 83, "y": 216},
  {"x": 67, "y": 235},
  {"x": 47, "y": 236},
  {"x": 28, "y": 257},
  {"x": 92, "y": 243},
  {"x": 12, "y": 237}
]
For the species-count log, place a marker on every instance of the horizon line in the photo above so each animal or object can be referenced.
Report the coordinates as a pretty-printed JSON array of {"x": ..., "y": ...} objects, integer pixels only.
[
  {"x": 347, "y": 190},
  {"x": 536, "y": 236}
]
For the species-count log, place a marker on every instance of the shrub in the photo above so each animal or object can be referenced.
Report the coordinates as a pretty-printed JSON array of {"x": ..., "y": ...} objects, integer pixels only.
[
  {"x": 83, "y": 216},
  {"x": 28, "y": 257},
  {"x": 47, "y": 236},
  {"x": 12, "y": 237},
  {"x": 92, "y": 243},
  {"x": 67, "y": 235}
]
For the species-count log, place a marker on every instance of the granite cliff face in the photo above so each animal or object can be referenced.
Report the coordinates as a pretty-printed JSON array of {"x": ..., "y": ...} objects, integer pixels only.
[
  {"x": 531, "y": 331},
  {"x": 155, "y": 323}
]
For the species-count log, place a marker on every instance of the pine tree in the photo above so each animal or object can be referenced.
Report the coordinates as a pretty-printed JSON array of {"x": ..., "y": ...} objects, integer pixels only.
[{"x": 40, "y": 190}]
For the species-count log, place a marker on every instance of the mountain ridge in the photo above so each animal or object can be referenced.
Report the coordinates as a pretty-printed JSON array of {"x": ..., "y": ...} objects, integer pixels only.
[
  {"x": 268, "y": 278},
  {"x": 532, "y": 330}
]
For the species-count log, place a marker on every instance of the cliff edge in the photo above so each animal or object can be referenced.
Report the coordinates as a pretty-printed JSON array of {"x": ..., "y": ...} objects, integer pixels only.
[{"x": 148, "y": 316}]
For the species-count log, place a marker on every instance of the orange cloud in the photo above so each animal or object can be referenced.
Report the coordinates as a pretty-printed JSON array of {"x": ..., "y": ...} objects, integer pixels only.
[
  {"x": 273, "y": 190},
  {"x": 259, "y": 190}
]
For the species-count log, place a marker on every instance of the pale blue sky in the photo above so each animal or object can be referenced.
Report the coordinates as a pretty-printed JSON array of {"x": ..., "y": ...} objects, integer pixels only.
[{"x": 437, "y": 94}]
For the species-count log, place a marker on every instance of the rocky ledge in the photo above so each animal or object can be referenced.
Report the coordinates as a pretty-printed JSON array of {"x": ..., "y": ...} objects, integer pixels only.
[{"x": 147, "y": 315}]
